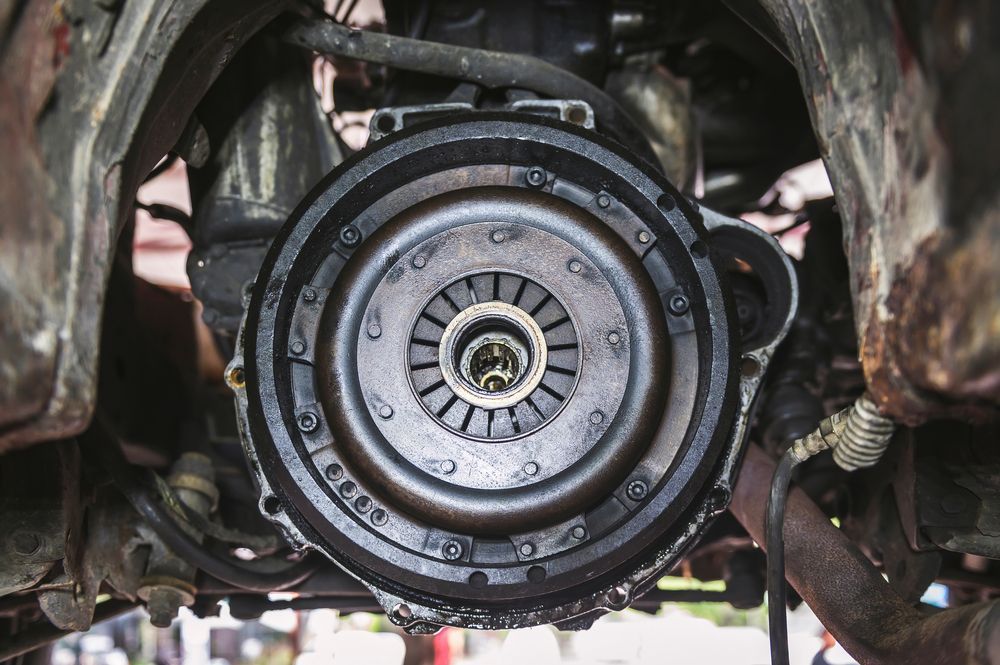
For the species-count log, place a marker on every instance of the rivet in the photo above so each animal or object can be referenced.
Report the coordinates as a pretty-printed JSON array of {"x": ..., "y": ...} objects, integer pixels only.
[
  {"x": 385, "y": 412},
  {"x": 419, "y": 261},
  {"x": 527, "y": 549},
  {"x": 603, "y": 201},
  {"x": 531, "y": 468},
  {"x": 379, "y": 517},
  {"x": 363, "y": 504},
  {"x": 308, "y": 422},
  {"x": 334, "y": 472},
  {"x": 452, "y": 550},
  {"x": 636, "y": 490},
  {"x": 448, "y": 466},
  {"x": 348, "y": 490},
  {"x": 579, "y": 532},
  {"x": 298, "y": 348},
  {"x": 643, "y": 237},
  {"x": 614, "y": 338},
  {"x": 678, "y": 305},
  {"x": 498, "y": 237},
  {"x": 596, "y": 418},
  {"x": 374, "y": 331},
  {"x": 535, "y": 176},
  {"x": 309, "y": 295},
  {"x": 575, "y": 266}
]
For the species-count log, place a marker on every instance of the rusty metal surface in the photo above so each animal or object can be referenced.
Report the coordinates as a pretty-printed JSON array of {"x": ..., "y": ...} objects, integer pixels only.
[
  {"x": 850, "y": 596},
  {"x": 80, "y": 124},
  {"x": 903, "y": 100}
]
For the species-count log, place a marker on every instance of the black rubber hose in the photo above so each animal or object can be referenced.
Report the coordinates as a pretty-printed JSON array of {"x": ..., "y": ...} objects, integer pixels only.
[
  {"x": 160, "y": 518},
  {"x": 491, "y": 69},
  {"x": 777, "y": 622}
]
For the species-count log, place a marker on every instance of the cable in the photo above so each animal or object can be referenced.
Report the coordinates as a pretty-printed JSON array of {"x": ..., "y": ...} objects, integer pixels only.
[
  {"x": 777, "y": 622},
  {"x": 160, "y": 519},
  {"x": 491, "y": 69}
]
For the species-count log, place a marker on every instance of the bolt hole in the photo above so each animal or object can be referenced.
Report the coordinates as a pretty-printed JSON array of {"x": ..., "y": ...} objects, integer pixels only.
[
  {"x": 749, "y": 366},
  {"x": 478, "y": 579},
  {"x": 577, "y": 115},
  {"x": 236, "y": 377},
  {"x": 536, "y": 574},
  {"x": 666, "y": 202},
  {"x": 272, "y": 506},
  {"x": 385, "y": 123},
  {"x": 699, "y": 249},
  {"x": 402, "y": 611}
]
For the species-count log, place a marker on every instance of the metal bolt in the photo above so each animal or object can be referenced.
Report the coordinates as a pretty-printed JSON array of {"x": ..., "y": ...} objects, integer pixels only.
[
  {"x": 419, "y": 261},
  {"x": 379, "y": 517},
  {"x": 309, "y": 295},
  {"x": 498, "y": 237},
  {"x": 298, "y": 348},
  {"x": 531, "y": 468},
  {"x": 579, "y": 532},
  {"x": 363, "y": 504},
  {"x": 636, "y": 490},
  {"x": 643, "y": 237},
  {"x": 535, "y": 176},
  {"x": 385, "y": 412},
  {"x": 618, "y": 595},
  {"x": 452, "y": 550},
  {"x": 308, "y": 422},
  {"x": 596, "y": 418},
  {"x": 603, "y": 201},
  {"x": 162, "y": 606},
  {"x": 350, "y": 235},
  {"x": 402, "y": 611},
  {"x": 334, "y": 472},
  {"x": 374, "y": 331},
  {"x": 679, "y": 304},
  {"x": 575, "y": 266},
  {"x": 527, "y": 549},
  {"x": 348, "y": 490},
  {"x": 614, "y": 338},
  {"x": 448, "y": 466},
  {"x": 26, "y": 543}
]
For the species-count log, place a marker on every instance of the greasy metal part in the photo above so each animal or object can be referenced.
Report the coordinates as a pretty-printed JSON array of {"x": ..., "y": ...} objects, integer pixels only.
[
  {"x": 860, "y": 609},
  {"x": 168, "y": 583},
  {"x": 78, "y": 111},
  {"x": 491, "y": 69},
  {"x": 901, "y": 95},
  {"x": 439, "y": 541},
  {"x": 38, "y": 636}
]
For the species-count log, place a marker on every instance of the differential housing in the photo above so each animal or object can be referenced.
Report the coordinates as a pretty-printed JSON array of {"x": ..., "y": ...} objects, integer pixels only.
[{"x": 491, "y": 367}]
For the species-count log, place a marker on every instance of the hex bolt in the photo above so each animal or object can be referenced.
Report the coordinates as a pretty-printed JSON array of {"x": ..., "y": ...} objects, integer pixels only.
[
  {"x": 162, "y": 606},
  {"x": 452, "y": 550},
  {"x": 678, "y": 304},
  {"x": 379, "y": 517},
  {"x": 636, "y": 490},
  {"x": 309, "y": 295},
  {"x": 603, "y": 201},
  {"x": 579, "y": 532},
  {"x": 350, "y": 236},
  {"x": 498, "y": 237},
  {"x": 448, "y": 466},
  {"x": 644, "y": 237},
  {"x": 575, "y": 266},
  {"x": 298, "y": 348},
  {"x": 308, "y": 422},
  {"x": 527, "y": 549},
  {"x": 374, "y": 331},
  {"x": 419, "y": 261},
  {"x": 596, "y": 418},
  {"x": 334, "y": 472},
  {"x": 531, "y": 468},
  {"x": 535, "y": 176},
  {"x": 26, "y": 543},
  {"x": 614, "y": 338},
  {"x": 385, "y": 412}
]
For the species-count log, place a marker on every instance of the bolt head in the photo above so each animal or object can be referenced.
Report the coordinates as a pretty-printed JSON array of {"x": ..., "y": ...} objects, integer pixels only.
[
  {"x": 298, "y": 348},
  {"x": 614, "y": 338},
  {"x": 531, "y": 468},
  {"x": 350, "y": 236},
  {"x": 644, "y": 237},
  {"x": 452, "y": 550},
  {"x": 527, "y": 549},
  {"x": 579, "y": 532},
  {"x": 636, "y": 490},
  {"x": 535, "y": 176},
  {"x": 309, "y": 295},
  {"x": 448, "y": 466},
  {"x": 678, "y": 304},
  {"x": 385, "y": 412},
  {"x": 498, "y": 237},
  {"x": 575, "y": 266},
  {"x": 596, "y": 418},
  {"x": 603, "y": 201},
  {"x": 308, "y": 422},
  {"x": 419, "y": 261},
  {"x": 374, "y": 331}
]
